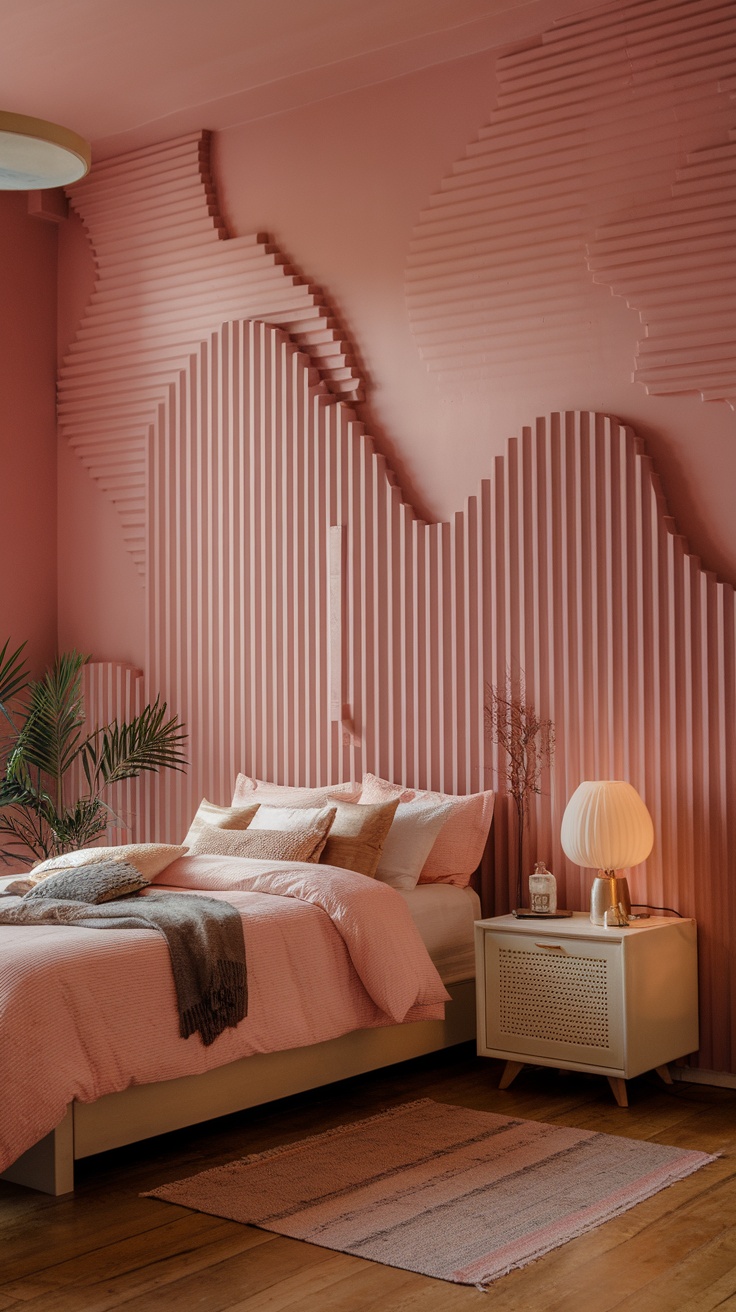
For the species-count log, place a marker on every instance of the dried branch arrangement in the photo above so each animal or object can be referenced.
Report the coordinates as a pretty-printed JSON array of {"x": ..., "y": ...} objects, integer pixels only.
[{"x": 527, "y": 743}]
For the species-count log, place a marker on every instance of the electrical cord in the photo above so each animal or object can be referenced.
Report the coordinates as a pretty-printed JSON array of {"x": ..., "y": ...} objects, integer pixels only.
[{"x": 647, "y": 907}]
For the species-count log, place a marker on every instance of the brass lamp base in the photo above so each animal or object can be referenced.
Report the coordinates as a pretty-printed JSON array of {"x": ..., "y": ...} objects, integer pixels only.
[{"x": 610, "y": 893}]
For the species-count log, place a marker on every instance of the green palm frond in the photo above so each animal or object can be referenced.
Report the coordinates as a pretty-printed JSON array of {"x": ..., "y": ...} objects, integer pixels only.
[
  {"x": 13, "y": 683},
  {"x": 14, "y": 792},
  {"x": 22, "y": 825},
  {"x": 13, "y": 676},
  {"x": 51, "y": 736},
  {"x": 79, "y": 825},
  {"x": 37, "y": 830},
  {"x": 37, "y": 817},
  {"x": 123, "y": 751}
]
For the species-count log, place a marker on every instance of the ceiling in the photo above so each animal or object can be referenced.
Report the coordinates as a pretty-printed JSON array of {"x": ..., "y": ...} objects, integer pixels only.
[{"x": 124, "y": 73}]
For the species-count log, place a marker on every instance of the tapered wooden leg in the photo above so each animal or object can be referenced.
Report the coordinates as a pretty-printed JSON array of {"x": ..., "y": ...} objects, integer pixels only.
[
  {"x": 510, "y": 1072},
  {"x": 664, "y": 1073},
  {"x": 618, "y": 1087}
]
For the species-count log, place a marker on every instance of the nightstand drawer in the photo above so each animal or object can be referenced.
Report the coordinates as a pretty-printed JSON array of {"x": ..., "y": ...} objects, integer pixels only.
[{"x": 554, "y": 998}]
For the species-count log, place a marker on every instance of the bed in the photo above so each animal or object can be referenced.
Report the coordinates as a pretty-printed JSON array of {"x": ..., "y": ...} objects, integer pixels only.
[{"x": 346, "y": 974}]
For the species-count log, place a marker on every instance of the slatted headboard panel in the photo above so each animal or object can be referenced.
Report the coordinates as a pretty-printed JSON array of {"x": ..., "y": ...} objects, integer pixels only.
[{"x": 308, "y": 626}]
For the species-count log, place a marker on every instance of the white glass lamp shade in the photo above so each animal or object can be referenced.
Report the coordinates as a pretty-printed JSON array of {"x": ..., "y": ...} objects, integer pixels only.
[
  {"x": 36, "y": 155},
  {"x": 606, "y": 826}
]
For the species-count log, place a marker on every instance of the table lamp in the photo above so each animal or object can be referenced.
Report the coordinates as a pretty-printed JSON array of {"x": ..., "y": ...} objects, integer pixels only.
[{"x": 607, "y": 826}]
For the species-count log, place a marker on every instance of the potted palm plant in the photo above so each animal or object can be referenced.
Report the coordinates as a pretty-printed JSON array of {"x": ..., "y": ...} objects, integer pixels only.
[{"x": 42, "y": 737}]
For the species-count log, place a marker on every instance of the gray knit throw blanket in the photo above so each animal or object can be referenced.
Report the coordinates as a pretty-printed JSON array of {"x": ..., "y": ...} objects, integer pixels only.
[{"x": 204, "y": 937}]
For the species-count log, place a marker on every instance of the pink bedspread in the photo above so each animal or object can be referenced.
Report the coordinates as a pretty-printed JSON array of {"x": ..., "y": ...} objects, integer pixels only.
[{"x": 86, "y": 1012}]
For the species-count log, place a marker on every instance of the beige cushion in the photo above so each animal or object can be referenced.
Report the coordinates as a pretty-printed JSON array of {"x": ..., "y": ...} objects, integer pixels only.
[
  {"x": 458, "y": 848},
  {"x": 287, "y": 819},
  {"x": 149, "y": 858},
  {"x": 356, "y": 839},
  {"x": 101, "y": 881},
  {"x": 261, "y": 844},
  {"x": 248, "y": 790},
  {"x": 223, "y": 817}
]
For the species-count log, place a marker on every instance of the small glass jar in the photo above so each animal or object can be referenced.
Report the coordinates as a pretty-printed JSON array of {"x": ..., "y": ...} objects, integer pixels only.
[{"x": 542, "y": 891}]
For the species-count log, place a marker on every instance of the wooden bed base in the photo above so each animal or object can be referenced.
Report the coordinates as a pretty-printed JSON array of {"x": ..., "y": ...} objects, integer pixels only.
[{"x": 147, "y": 1109}]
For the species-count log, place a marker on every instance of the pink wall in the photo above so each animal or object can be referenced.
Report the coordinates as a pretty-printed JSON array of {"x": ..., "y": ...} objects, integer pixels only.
[
  {"x": 28, "y": 429},
  {"x": 350, "y": 190},
  {"x": 341, "y": 186},
  {"x": 350, "y": 225}
]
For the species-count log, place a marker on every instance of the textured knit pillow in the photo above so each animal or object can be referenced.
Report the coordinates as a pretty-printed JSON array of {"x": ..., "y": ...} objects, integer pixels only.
[
  {"x": 100, "y": 881},
  {"x": 223, "y": 817},
  {"x": 287, "y": 819},
  {"x": 148, "y": 858},
  {"x": 261, "y": 844},
  {"x": 458, "y": 848},
  {"x": 410, "y": 839},
  {"x": 248, "y": 790},
  {"x": 356, "y": 839}
]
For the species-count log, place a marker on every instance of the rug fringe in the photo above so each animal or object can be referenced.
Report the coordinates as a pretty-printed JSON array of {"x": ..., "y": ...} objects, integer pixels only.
[
  {"x": 688, "y": 1168},
  {"x": 515, "y": 1248}
]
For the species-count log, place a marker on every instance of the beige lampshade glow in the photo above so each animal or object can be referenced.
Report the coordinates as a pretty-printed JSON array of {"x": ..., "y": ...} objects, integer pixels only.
[
  {"x": 606, "y": 826},
  {"x": 35, "y": 155}
]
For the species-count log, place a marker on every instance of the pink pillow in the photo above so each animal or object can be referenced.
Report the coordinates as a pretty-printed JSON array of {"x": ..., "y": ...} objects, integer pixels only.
[
  {"x": 458, "y": 848},
  {"x": 258, "y": 790}
]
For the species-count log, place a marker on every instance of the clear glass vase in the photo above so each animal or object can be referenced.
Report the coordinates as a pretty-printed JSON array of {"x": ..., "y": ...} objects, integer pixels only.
[{"x": 542, "y": 891}]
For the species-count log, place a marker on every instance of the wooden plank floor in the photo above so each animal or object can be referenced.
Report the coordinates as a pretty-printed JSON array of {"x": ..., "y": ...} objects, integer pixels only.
[{"x": 105, "y": 1247}]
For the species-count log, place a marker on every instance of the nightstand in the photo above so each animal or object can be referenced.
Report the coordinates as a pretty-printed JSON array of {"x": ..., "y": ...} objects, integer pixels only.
[{"x": 569, "y": 994}]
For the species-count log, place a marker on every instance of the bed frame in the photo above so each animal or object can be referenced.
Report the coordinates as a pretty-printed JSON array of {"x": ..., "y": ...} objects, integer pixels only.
[{"x": 144, "y": 1110}]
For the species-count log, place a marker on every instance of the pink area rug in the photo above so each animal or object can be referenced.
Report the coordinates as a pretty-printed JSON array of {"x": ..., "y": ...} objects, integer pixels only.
[{"x": 448, "y": 1192}]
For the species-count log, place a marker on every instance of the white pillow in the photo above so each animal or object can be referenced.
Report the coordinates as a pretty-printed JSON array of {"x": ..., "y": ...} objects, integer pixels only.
[
  {"x": 459, "y": 847},
  {"x": 249, "y": 790},
  {"x": 286, "y": 819},
  {"x": 410, "y": 840}
]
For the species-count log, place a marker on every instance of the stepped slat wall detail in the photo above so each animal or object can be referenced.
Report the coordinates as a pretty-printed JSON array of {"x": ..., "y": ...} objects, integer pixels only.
[
  {"x": 608, "y": 160},
  {"x": 679, "y": 263},
  {"x": 165, "y": 277},
  {"x": 272, "y": 520}
]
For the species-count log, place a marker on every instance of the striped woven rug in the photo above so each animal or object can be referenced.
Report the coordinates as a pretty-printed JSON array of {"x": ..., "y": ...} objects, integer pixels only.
[{"x": 445, "y": 1191}]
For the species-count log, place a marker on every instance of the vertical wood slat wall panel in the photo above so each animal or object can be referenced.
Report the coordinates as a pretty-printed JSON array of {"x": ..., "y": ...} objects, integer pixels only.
[{"x": 565, "y": 566}]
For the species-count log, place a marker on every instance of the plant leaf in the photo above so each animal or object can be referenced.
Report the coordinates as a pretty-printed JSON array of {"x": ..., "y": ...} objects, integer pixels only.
[
  {"x": 79, "y": 825},
  {"x": 13, "y": 674},
  {"x": 123, "y": 751},
  {"x": 35, "y": 818},
  {"x": 51, "y": 736}
]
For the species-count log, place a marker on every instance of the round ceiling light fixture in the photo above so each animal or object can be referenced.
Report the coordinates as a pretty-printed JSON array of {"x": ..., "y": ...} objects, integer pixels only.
[{"x": 35, "y": 154}]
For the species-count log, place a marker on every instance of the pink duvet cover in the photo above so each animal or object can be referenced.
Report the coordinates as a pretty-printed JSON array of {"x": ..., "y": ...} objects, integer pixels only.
[{"x": 85, "y": 1012}]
